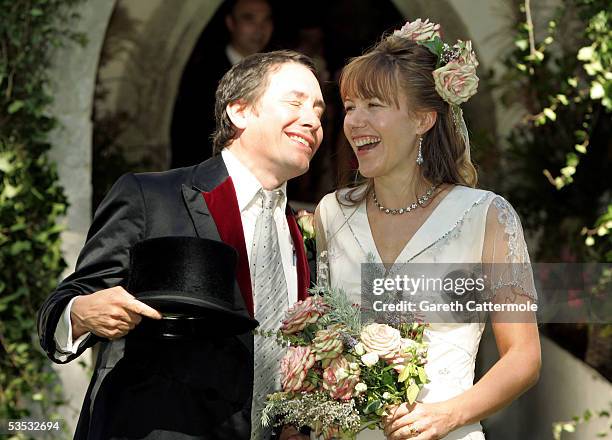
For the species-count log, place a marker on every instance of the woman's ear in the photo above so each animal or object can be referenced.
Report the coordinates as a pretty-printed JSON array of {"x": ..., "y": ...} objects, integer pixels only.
[
  {"x": 426, "y": 121},
  {"x": 238, "y": 112}
]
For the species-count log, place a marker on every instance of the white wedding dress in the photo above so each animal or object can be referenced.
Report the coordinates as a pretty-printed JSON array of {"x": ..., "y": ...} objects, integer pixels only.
[{"x": 468, "y": 225}]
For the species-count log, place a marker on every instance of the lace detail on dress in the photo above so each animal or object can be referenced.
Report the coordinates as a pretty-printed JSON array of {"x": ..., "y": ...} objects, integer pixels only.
[
  {"x": 323, "y": 269},
  {"x": 511, "y": 266},
  {"x": 508, "y": 218}
]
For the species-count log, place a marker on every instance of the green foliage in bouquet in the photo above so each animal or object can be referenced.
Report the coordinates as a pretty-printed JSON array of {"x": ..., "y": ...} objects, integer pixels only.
[
  {"x": 341, "y": 375},
  {"x": 31, "y": 199}
]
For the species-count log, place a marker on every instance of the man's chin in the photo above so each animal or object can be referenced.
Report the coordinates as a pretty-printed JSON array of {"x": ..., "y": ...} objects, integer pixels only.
[{"x": 297, "y": 169}]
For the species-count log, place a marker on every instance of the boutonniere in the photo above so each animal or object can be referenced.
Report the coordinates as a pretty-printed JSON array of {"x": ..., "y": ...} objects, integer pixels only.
[{"x": 305, "y": 221}]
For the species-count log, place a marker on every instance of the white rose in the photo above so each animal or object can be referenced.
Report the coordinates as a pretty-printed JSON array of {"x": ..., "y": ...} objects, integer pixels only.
[
  {"x": 386, "y": 395},
  {"x": 369, "y": 359},
  {"x": 361, "y": 387},
  {"x": 381, "y": 339},
  {"x": 359, "y": 349}
]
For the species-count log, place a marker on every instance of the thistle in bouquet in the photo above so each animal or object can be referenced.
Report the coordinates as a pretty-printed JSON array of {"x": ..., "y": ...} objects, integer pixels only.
[{"x": 339, "y": 375}]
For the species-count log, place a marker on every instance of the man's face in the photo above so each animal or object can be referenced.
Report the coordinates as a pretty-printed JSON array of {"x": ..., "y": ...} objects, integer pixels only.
[
  {"x": 250, "y": 25},
  {"x": 283, "y": 129}
]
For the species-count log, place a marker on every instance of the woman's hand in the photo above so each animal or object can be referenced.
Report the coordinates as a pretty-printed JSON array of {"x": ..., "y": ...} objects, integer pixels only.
[
  {"x": 291, "y": 433},
  {"x": 419, "y": 421}
]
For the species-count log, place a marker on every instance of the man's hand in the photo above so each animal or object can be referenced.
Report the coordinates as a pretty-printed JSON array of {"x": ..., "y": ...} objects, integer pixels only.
[
  {"x": 109, "y": 313},
  {"x": 290, "y": 433}
]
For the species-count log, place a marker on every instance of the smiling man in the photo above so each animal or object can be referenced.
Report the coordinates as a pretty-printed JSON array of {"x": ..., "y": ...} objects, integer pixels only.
[{"x": 268, "y": 110}]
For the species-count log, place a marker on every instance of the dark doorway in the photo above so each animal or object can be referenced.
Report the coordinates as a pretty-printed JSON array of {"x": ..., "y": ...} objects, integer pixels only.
[{"x": 332, "y": 31}]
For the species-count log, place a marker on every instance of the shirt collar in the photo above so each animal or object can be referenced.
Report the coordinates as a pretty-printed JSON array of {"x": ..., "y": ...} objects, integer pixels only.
[
  {"x": 232, "y": 54},
  {"x": 246, "y": 185}
]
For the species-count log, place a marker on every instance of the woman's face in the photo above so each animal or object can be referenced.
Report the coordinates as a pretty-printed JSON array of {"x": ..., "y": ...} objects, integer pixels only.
[{"x": 383, "y": 136}]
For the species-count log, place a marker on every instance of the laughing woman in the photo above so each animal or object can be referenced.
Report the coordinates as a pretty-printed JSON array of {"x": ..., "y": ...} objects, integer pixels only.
[{"x": 418, "y": 204}]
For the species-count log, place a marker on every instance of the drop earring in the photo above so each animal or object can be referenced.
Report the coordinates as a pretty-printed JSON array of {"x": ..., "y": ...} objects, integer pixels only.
[{"x": 419, "y": 159}]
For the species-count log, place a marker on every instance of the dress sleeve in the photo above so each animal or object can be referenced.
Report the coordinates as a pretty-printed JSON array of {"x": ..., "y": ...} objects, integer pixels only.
[{"x": 505, "y": 257}]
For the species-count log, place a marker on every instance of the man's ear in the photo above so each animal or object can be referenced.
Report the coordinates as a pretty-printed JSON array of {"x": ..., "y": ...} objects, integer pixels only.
[
  {"x": 238, "y": 112},
  {"x": 426, "y": 120}
]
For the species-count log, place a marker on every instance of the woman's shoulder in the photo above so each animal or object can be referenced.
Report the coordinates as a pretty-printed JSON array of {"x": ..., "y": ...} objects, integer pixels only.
[
  {"x": 495, "y": 207},
  {"x": 483, "y": 197},
  {"x": 344, "y": 197}
]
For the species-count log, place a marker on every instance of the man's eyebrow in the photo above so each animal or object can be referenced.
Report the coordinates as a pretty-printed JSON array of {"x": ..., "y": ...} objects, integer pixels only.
[{"x": 301, "y": 95}]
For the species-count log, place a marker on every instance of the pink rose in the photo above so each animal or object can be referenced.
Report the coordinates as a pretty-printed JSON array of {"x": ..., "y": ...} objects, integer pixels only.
[
  {"x": 381, "y": 339},
  {"x": 456, "y": 82},
  {"x": 467, "y": 54},
  {"x": 327, "y": 344},
  {"x": 294, "y": 368},
  {"x": 419, "y": 30},
  {"x": 303, "y": 313},
  {"x": 340, "y": 378}
]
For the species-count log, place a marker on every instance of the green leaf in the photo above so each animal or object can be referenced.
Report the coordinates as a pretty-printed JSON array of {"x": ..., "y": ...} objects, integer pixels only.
[
  {"x": 373, "y": 407},
  {"x": 387, "y": 378},
  {"x": 19, "y": 247},
  {"x": 585, "y": 53},
  {"x": 403, "y": 375},
  {"x": 5, "y": 164},
  {"x": 550, "y": 114},
  {"x": 580, "y": 148},
  {"x": 522, "y": 44},
  {"x": 569, "y": 427},
  {"x": 412, "y": 392},
  {"x": 36, "y": 12},
  {"x": 422, "y": 375},
  {"x": 597, "y": 90},
  {"x": 15, "y": 106},
  {"x": 562, "y": 99},
  {"x": 435, "y": 46},
  {"x": 572, "y": 160}
]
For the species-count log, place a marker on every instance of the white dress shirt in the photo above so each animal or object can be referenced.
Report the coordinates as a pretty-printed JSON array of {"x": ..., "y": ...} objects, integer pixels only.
[
  {"x": 232, "y": 55},
  {"x": 250, "y": 204}
]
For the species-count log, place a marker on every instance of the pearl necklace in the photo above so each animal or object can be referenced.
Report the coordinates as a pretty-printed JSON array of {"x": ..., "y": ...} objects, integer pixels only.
[{"x": 420, "y": 202}]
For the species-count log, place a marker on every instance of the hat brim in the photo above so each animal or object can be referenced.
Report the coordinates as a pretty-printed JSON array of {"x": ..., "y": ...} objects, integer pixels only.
[{"x": 167, "y": 303}]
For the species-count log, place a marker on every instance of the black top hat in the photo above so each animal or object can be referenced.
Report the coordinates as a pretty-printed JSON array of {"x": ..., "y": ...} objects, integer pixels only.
[{"x": 189, "y": 277}]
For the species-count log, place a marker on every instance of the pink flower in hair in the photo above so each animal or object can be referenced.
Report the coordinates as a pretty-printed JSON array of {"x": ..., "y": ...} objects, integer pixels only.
[{"x": 419, "y": 30}]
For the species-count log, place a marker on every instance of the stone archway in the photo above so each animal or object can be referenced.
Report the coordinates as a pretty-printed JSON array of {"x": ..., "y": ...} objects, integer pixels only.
[
  {"x": 167, "y": 33},
  {"x": 74, "y": 79},
  {"x": 143, "y": 81}
]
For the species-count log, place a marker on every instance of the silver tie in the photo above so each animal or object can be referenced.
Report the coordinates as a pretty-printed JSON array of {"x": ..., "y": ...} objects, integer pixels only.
[{"x": 271, "y": 302}]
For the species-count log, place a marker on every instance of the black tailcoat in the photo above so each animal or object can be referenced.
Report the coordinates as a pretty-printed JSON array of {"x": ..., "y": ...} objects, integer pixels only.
[{"x": 164, "y": 390}]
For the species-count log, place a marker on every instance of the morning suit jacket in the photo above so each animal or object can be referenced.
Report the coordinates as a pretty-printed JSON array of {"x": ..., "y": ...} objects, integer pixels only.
[{"x": 164, "y": 390}]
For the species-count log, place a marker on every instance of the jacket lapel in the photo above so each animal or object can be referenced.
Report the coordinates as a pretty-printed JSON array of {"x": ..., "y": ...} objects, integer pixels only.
[
  {"x": 223, "y": 206},
  {"x": 213, "y": 208},
  {"x": 303, "y": 271}
]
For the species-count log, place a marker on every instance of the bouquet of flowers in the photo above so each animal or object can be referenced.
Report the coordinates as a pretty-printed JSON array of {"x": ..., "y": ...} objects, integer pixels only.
[{"x": 338, "y": 376}]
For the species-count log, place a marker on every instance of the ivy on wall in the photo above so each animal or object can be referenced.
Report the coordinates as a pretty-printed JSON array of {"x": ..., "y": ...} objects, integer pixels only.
[{"x": 31, "y": 199}]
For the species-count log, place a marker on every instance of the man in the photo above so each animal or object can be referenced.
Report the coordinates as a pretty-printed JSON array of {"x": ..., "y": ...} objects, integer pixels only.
[
  {"x": 250, "y": 26},
  {"x": 268, "y": 112}
]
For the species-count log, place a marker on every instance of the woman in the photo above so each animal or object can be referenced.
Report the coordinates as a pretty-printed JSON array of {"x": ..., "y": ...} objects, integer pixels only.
[{"x": 418, "y": 205}]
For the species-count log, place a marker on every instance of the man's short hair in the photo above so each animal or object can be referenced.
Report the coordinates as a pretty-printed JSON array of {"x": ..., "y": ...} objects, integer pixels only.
[{"x": 247, "y": 81}]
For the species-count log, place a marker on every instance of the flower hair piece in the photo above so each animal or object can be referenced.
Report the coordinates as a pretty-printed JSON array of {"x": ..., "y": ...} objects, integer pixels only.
[{"x": 455, "y": 74}]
